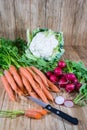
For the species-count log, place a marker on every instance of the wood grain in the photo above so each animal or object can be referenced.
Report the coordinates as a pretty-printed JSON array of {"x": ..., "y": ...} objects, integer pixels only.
[
  {"x": 68, "y": 16},
  {"x": 37, "y": 14},
  {"x": 22, "y": 17},
  {"x": 7, "y": 19}
]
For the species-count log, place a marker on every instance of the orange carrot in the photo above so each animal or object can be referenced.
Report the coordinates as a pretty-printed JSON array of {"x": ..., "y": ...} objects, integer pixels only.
[
  {"x": 34, "y": 85},
  {"x": 33, "y": 94},
  {"x": 52, "y": 86},
  {"x": 41, "y": 111},
  {"x": 38, "y": 79},
  {"x": 26, "y": 83},
  {"x": 16, "y": 76},
  {"x": 11, "y": 81},
  {"x": 8, "y": 88},
  {"x": 42, "y": 76},
  {"x": 41, "y": 94},
  {"x": 32, "y": 114},
  {"x": 28, "y": 86}
]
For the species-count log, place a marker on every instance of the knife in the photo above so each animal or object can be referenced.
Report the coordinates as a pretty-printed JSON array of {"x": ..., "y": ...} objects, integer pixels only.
[{"x": 54, "y": 110}]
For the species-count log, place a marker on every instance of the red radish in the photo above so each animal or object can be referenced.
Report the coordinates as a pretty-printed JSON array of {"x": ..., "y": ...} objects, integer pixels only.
[
  {"x": 77, "y": 87},
  {"x": 62, "y": 83},
  {"x": 49, "y": 73},
  {"x": 70, "y": 87},
  {"x": 70, "y": 76},
  {"x": 61, "y": 64},
  {"x": 59, "y": 100},
  {"x": 53, "y": 78},
  {"x": 68, "y": 103},
  {"x": 63, "y": 76},
  {"x": 75, "y": 81},
  {"x": 58, "y": 71}
]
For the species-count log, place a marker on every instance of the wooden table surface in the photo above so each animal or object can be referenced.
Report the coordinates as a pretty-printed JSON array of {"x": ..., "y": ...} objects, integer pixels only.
[{"x": 49, "y": 122}]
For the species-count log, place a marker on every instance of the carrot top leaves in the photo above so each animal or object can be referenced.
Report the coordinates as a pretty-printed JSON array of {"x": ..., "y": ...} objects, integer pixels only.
[{"x": 10, "y": 53}]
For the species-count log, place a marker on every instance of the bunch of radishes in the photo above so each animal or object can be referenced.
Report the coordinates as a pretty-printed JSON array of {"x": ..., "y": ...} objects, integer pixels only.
[{"x": 68, "y": 81}]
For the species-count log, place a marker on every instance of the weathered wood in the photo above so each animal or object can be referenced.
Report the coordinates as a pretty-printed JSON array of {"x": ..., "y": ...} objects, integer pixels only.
[
  {"x": 82, "y": 53},
  {"x": 22, "y": 17},
  {"x": 37, "y": 14},
  {"x": 2, "y": 94},
  {"x": 73, "y": 21},
  {"x": 68, "y": 16},
  {"x": 7, "y": 19}
]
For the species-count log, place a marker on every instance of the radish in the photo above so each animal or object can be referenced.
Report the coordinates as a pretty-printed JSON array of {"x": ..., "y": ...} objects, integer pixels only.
[
  {"x": 77, "y": 87},
  {"x": 68, "y": 103},
  {"x": 53, "y": 78},
  {"x": 70, "y": 76},
  {"x": 61, "y": 64},
  {"x": 70, "y": 87},
  {"x": 49, "y": 73},
  {"x": 63, "y": 76},
  {"x": 62, "y": 83},
  {"x": 58, "y": 71},
  {"x": 75, "y": 81},
  {"x": 59, "y": 100}
]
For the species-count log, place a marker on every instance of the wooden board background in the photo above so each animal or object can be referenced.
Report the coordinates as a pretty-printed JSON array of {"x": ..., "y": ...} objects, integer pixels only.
[{"x": 68, "y": 16}]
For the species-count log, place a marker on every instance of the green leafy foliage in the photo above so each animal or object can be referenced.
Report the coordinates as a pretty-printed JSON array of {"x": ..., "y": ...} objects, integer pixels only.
[{"x": 10, "y": 52}]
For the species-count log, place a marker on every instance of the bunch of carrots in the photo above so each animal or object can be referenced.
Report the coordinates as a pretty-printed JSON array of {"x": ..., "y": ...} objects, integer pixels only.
[
  {"x": 20, "y": 80},
  {"x": 27, "y": 81}
]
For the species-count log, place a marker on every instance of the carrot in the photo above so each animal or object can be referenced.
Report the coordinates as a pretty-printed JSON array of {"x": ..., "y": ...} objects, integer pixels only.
[
  {"x": 11, "y": 81},
  {"x": 8, "y": 88},
  {"x": 34, "y": 85},
  {"x": 33, "y": 94},
  {"x": 38, "y": 79},
  {"x": 28, "y": 86},
  {"x": 16, "y": 76},
  {"x": 52, "y": 86},
  {"x": 26, "y": 83},
  {"x": 41, "y": 94},
  {"x": 27, "y": 113},
  {"x": 41, "y": 111},
  {"x": 32, "y": 114},
  {"x": 42, "y": 76}
]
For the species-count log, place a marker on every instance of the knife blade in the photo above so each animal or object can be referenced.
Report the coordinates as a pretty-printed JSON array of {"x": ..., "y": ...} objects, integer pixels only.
[{"x": 54, "y": 110}]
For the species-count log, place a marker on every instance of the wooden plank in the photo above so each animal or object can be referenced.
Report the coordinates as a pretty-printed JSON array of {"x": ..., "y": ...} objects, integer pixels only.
[
  {"x": 70, "y": 54},
  {"x": 60, "y": 15},
  {"x": 73, "y": 21},
  {"x": 53, "y": 14},
  {"x": 81, "y": 50},
  {"x": 69, "y": 16},
  {"x": 22, "y": 17},
  {"x": 7, "y": 20},
  {"x": 37, "y": 14},
  {"x": 2, "y": 94}
]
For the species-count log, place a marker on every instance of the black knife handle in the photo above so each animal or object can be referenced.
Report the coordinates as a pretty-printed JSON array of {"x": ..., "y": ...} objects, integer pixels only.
[{"x": 62, "y": 114}]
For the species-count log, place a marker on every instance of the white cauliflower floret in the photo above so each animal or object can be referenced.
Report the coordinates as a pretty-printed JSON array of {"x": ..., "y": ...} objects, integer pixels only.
[{"x": 43, "y": 46}]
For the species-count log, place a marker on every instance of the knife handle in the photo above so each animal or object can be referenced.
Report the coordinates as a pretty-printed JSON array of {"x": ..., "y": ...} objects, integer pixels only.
[{"x": 62, "y": 114}]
